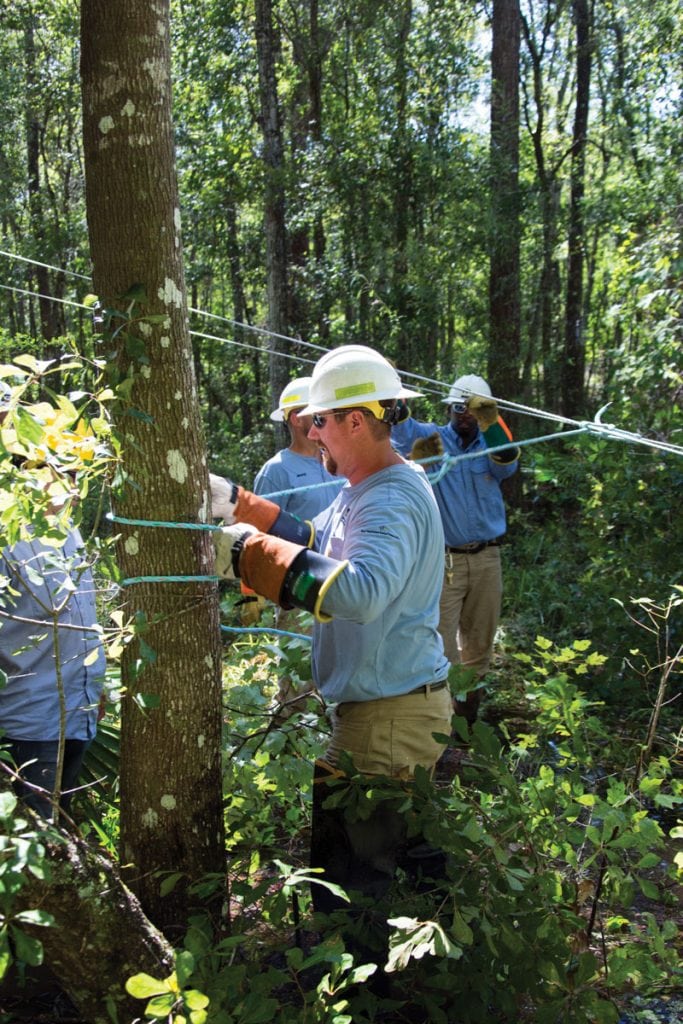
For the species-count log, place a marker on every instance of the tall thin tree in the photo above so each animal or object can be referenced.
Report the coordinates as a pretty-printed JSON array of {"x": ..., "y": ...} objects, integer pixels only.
[
  {"x": 171, "y": 799},
  {"x": 267, "y": 46},
  {"x": 573, "y": 383},
  {"x": 504, "y": 284}
]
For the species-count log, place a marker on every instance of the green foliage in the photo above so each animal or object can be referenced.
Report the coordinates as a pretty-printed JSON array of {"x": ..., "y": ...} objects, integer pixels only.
[
  {"x": 599, "y": 531},
  {"x": 170, "y": 999},
  {"x": 22, "y": 854},
  {"x": 549, "y": 860}
]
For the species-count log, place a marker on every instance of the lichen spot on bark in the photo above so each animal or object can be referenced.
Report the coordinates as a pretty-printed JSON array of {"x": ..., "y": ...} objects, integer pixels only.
[
  {"x": 178, "y": 395},
  {"x": 150, "y": 818},
  {"x": 171, "y": 293},
  {"x": 132, "y": 546},
  {"x": 201, "y": 740},
  {"x": 128, "y": 109},
  {"x": 185, "y": 423},
  {"x": 177, "y": 467},
  {"x": 145, "y": 328},
  {"x": 164, "y": 341},
  {"x": 145, "y": 371},
  {"x": 156, "y": 71},
  {"x": 168, "y": 802},
  {"x": 106, "y": 124}
]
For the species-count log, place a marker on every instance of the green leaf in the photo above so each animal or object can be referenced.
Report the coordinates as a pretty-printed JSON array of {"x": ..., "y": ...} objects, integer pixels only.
[
  {"x": 195, "y": 1000},
  {"x": 27, "y": 426},
  {"x": 37, "y": 917},
  {"x": 649, "y": 860},
  {"x": 5, "y": 955},
  {"x": 461, "y": 930},
  {"x": 8, "y": 803},
  {"x": 142, "y": 986},
  {"x": 26, "y": 949},
  {"x": 162, "y": 1005},
  {"x": 648, "y": 889},
  {"x": 184, "y": 967},
  {"x": 169, "y": 883}
]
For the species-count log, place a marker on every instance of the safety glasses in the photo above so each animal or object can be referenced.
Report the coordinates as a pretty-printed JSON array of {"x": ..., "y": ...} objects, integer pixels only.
[{"x": 320, "y": 419}]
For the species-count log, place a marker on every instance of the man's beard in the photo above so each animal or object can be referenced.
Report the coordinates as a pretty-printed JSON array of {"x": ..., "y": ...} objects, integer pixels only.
[{"x": 328, "y": 462}]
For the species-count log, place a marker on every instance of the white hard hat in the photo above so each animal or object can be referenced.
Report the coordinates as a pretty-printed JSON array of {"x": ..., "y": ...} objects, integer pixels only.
[
  {"x": 463, "y": 388},
  {"x": 294, "y": 396},
  {"x": 353, "y": 375}
]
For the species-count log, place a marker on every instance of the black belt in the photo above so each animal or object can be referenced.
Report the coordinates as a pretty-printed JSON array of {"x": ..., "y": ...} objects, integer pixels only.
[
  {"x": 473, "y": 549},
  {"x": 429, "y": 688}
]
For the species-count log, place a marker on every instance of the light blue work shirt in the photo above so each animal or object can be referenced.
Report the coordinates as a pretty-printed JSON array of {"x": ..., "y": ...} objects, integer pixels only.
[
  {"x": 383, "y": 639},
  {"x": 290, "y": 471},
  {"x": 29, "y": 702},
  {"x": 468, "y": 495}
]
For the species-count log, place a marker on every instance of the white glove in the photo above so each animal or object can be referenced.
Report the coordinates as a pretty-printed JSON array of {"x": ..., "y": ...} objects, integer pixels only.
[
  {"x": 223, "y": 541},
  {"x": 223, "y": 499}
]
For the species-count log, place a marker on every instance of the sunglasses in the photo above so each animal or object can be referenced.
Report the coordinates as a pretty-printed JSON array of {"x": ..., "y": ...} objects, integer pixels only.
[{"x": 320, "y": 419}]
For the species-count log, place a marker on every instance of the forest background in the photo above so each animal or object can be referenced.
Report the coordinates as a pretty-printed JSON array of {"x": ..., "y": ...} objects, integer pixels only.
[{"x": 466, "y": 187}]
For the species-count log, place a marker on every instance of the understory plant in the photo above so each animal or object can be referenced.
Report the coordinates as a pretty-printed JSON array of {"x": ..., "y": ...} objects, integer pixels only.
[{"x": 552, "y": 891}]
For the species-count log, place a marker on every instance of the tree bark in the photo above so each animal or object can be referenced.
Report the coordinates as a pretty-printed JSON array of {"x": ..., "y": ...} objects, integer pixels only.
[
  {"x": 504, "y": 286},
  {"x": 171, "y": 797},
  {"x": 573, "y": 383},
  {"x": 100, "y": 937},
  {"x": 267, "y": 46}
]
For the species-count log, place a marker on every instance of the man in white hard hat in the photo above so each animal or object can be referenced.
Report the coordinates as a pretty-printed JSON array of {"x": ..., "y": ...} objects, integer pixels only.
[
  {"x": 295, "y": 478},
  {"x": 372, "y": 578},
  {"x": 473, "y": 515}
]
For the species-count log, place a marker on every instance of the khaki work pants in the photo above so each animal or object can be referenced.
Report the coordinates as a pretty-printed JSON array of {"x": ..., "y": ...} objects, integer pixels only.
[
  {"x": 387, "y": 737},
  {"x": 469, "y": 613}
]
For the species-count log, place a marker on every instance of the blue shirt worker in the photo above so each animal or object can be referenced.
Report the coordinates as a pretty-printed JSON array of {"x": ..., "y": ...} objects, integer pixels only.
[
  {"x": 370, "y": 572},
  {"x": 52, "y": 665},
  {"x": 473, "y": 516},
  {"x": 296, "y": 480},
  {"x": 298, "y": 470}
]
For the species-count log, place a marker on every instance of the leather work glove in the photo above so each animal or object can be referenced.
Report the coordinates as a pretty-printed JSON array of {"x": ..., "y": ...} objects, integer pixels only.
[
  {"x": 230, "y": 502},
  {"x": 429, "y": 447},
  {"x": 223, "y": 499},
  {"x": 287, "y": 573},
  {"x": 493, "y": 427},
  {"x": 484, "y": 410},
  {"x": 223, "y": 541}
]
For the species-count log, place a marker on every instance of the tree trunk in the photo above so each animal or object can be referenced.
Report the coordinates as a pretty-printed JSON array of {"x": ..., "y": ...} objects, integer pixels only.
[
  {"x": 573, "y": 383},
  {"x": 267, "y": 46},
  {"x": 402, "y": 197},
  {"x": 504, "y": 287},
  {"x": 171, "y": 798},
  {"x": 49, "y": 317},
  {"x": 100, "y": 936}
]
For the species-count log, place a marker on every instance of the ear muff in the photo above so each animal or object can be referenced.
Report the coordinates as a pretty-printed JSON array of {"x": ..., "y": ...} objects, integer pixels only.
[{"x": 392, "y": 415}]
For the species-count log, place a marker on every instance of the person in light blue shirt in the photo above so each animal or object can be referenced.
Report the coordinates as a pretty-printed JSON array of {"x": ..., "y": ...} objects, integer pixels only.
[
  {"x": 473, "y": 515},
  {"x": 384, "y": 606},
  {"x": 52, "y": 664},
  {"x": 295, "y": 477},
  {"x": 370, "y": 573}
]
